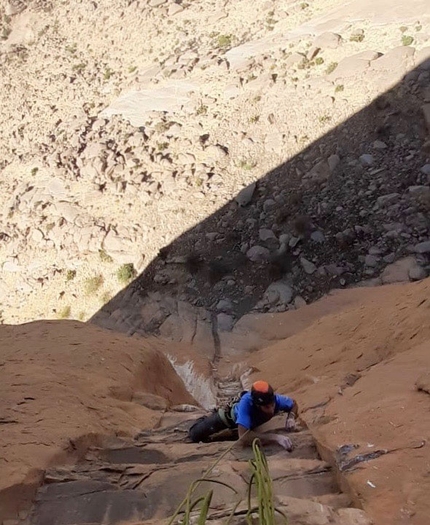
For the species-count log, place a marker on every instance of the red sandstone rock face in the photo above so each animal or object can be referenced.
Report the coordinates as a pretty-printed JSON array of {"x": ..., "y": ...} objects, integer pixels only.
[
  {"x": 356, "y": 362},
  {"x": 381, "y": 339},
  {"x": 64, "y": 385},
  {"x": 142, "y": 481}
]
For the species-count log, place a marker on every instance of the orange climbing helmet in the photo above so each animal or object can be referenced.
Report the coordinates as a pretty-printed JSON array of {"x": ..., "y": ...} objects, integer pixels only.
[{"x": 262, "y": 393}]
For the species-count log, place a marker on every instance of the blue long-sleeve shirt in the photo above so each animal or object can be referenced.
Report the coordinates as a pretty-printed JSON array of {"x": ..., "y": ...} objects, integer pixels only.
[{"x": 248, "y": 415}]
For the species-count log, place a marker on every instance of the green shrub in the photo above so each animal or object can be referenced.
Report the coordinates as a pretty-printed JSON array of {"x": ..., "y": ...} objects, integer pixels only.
[
  {"x": 70, "y": 275},
  {"x": 331, "y": 67},
  {"x": 202, "y": 110},
  {"x": 224, "y": 41},
  {"x": 126, "y": 273},
  {"x": 92, "y": 284},
  {"x": 65, "y": 312},
  {"x": 106, "y": 297},
  {"x": 407, "y": 40},
  {"x": 247, "y": 164},
  {"x": 104, "y": 256}
]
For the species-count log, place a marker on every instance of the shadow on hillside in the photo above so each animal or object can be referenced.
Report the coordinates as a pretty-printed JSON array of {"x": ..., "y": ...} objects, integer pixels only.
[{"x": 332, "y": 207}]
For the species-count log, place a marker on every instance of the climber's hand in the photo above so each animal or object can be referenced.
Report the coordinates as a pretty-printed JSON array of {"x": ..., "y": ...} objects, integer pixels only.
[
  {"x": 290, "y": 424},
  {"x": 285, "y": 443}
]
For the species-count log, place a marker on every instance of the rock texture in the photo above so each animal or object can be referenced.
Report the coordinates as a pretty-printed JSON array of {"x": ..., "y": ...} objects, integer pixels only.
[
  {"x": 145, "y": 479},
  {"x": 244, "y": 131},
  {"x": 204, "y": 172},
  {"x": 74, "y": 396},
  {"x": 64, "y": 386},
  {"x": 358, "y": 373}
]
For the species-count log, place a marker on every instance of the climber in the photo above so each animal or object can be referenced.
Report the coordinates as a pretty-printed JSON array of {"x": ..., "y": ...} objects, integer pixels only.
[{"x": 247, "y": 412}]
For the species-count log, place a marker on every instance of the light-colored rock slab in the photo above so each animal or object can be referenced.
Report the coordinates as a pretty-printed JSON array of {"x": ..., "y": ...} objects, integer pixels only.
[{"x": 136, "y": 105}]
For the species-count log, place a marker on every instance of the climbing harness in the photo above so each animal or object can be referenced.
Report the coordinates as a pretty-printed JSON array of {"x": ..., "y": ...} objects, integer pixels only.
[{"x": 226, "y": 413}]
